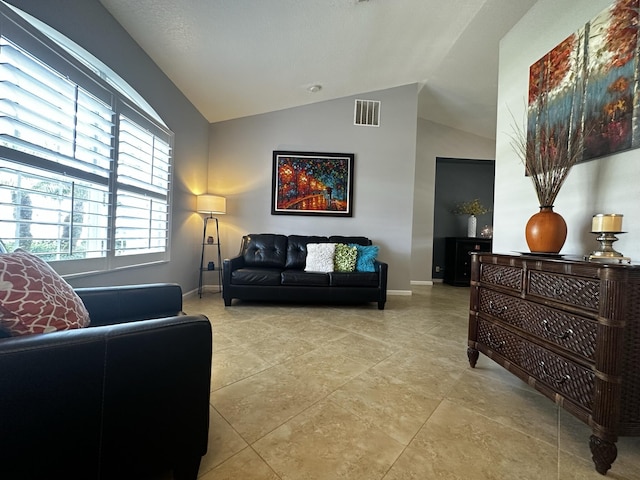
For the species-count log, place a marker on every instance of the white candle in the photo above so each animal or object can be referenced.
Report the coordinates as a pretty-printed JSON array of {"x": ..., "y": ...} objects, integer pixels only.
[{"x": 607, "y": 222}]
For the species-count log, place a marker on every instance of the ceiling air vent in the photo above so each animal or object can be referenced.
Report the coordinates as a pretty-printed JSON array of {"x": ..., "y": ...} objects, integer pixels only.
[{"x": 367, "y": 112}]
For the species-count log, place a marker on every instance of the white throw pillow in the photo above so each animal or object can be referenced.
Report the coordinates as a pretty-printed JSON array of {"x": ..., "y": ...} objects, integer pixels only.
[{"x": 320, "y": 257}]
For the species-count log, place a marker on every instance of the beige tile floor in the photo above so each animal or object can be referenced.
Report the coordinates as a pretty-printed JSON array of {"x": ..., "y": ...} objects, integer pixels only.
[{"x": 330, "y": 392}]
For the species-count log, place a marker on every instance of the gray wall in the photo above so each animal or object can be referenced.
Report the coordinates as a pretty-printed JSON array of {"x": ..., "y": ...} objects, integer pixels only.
[
  {"x": 241, "y": 161},
  {"x": 435, "y": 140},
  {"x": 87, "y": 23},
  {"x": 605, "y": 185}
]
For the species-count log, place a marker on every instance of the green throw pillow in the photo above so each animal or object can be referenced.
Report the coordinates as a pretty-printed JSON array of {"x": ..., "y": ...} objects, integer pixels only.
[{"x": 345, "y": 258}]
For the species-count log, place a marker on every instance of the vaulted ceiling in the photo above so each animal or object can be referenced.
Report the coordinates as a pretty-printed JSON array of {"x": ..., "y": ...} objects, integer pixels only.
[{"x": 235, "y": 58}]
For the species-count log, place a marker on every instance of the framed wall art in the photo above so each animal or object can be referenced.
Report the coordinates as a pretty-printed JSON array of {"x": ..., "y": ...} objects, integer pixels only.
[{"x": 307, "y": 183}]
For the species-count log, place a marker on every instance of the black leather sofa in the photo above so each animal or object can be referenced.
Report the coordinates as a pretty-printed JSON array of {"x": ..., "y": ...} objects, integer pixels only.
[
  {"x": 270, "y": 267},
  {"x": 125, "y": 398}
]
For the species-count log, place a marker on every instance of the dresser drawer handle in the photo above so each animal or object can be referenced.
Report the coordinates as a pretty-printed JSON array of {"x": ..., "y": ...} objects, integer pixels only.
[
  {"x": 552, "y": 378},
  {"x": 563, "y": 336},
  {"x": 495, "y": 309},
  {"x": 557, "y": 289},
  {"x": 493, "y": 344}
]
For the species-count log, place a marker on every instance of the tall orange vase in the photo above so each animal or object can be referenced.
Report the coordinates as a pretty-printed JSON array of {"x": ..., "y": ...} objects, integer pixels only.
[{"x": 546, "y": 231}]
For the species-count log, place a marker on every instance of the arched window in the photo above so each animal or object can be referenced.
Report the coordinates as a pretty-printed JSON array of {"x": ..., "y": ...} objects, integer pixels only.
[{"x": 85, "y": 163}]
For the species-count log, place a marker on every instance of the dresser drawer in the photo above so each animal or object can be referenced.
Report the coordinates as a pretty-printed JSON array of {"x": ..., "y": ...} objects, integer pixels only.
[
  {"x": 500, "y": 341},
  {"x": 571, "y": 290},
  {"x": 571, "y": 332},
  {"x": 502, "y": 307},
  {"x": 501, "y": 275},
  {"x": 561, "y": 375}
]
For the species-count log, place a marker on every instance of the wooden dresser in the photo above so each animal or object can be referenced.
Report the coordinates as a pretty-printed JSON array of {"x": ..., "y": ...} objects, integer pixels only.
[{"x": 570, "y": 329}]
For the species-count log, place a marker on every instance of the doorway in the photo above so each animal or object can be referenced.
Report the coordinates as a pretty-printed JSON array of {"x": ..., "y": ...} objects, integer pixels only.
[{"x": 459, "y": 180}]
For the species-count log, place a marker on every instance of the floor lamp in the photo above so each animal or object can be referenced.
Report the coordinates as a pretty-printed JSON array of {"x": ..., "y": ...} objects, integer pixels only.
[{"x": 210, "y": 205}]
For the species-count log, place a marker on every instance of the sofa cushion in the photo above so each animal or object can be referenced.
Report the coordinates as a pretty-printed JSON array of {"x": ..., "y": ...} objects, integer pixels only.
[
  {"x": 265, "y": 250},
  {"x": 353, "y": 279},
  {"x": 320, "y": 257},
  {"x": 307, "y": 279},
  {"x": 35, "y": 299},
  {"x": 256, "y": 276},
  {"x": 366, "y": 258},
  {"x": 345, "y": 258},
  {"x": 354, "y": 240},
  {"x": 297, "y": 250}
]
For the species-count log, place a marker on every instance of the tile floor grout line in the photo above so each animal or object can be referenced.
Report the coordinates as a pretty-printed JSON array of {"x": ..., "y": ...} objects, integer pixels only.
[
  {"x": 559, "y": 450},
  {"x": 431, "y": 317},
  {"x": 412, "y": 439},
  {"x": 265, "y": 461}
]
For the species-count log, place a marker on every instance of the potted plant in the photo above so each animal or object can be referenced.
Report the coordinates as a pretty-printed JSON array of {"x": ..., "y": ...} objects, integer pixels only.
[{"x": 472, "y": 209}]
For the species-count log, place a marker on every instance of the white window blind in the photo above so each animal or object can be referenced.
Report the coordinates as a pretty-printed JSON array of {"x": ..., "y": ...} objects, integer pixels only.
[
  {"x": 85, "y": 174},
  {"x": 143, "y": 158},
  {"x": 52, "y": 216},
  {"x": 46, "y": 115},
  {"x": 143, "y": 184}
]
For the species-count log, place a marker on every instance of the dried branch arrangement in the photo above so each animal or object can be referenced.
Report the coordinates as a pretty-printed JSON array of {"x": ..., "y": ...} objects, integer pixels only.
[{"x": 548, "y": 156}]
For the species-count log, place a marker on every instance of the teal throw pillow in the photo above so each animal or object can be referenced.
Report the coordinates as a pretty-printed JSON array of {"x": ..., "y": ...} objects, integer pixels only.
[
  {"x": 345, "y": 258},
  {"x": 366, "y": 256}
]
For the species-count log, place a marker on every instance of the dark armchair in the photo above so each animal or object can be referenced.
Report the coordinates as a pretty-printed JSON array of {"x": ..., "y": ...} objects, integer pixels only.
[{"x": 126, "y": 398}]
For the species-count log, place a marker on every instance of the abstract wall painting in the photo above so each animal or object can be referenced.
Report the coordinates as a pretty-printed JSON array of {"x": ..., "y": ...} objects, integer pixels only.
[
  {"x": 589, "y": 84},
  {"x": 306, "y": 183}
]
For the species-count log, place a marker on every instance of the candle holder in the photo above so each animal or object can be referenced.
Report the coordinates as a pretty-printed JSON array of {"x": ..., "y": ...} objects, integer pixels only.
[{"x": 606, "y": 253}]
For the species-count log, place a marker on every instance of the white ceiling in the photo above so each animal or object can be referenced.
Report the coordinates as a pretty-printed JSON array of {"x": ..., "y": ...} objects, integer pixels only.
[{"x": 235, "y": 58}]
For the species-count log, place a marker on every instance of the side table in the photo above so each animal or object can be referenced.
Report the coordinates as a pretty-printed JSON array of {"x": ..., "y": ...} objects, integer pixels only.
[{"x": 457, "y": 264}]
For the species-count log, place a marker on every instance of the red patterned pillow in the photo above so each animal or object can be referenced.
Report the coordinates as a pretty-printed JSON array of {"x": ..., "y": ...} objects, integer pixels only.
[{"x": 35, "y": 299}]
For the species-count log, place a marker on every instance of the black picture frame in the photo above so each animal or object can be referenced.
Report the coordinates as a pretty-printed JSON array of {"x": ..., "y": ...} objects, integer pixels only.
[{"x": 312, "y": 183}]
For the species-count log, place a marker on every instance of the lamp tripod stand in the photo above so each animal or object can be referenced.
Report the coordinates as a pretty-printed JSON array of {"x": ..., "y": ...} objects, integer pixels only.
[
  {"x": 205, "y": 244},
  {"x": 210, "y": 204}
]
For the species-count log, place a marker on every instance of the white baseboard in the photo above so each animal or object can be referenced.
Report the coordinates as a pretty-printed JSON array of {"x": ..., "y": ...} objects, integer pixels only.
[
  {"x": 421, "y": 282},
  {"x": 205, "y": 289},
  {"x": 190, "y": 293},
  {"x": 399, "y": 292},
  {"x": 208, "y": 288}
]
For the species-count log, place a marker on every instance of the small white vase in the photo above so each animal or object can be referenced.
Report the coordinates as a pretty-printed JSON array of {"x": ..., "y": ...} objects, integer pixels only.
[{"x": 472, "y": 223}]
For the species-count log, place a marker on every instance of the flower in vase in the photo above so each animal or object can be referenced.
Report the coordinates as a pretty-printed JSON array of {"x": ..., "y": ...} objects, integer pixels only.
[{"x": 474, "y": 207}]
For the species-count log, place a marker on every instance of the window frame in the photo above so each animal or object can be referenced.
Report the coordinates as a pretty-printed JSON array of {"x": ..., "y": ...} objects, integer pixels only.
[{"x": 28, "y": 36}]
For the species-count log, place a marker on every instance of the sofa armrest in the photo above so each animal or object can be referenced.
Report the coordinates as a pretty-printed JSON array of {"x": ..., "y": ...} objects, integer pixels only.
[
  {"x": 382, "y": 268},
  {"x": 229, "y": 265},
  {"x": 234, "y": 263},
  {"x": 127, "y": 397},
  {"x": 127, "y": 303},
  {"x": 158, "y": 409}
]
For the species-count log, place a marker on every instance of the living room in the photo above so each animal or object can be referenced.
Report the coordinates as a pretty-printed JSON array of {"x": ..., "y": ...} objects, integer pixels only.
[
  {"x": 395, "y": 163},
  {"x": 233, "y": 158}
]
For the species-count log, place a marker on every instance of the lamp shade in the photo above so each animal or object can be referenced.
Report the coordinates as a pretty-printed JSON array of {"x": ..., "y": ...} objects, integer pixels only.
[{"x": 211, "y": 204}]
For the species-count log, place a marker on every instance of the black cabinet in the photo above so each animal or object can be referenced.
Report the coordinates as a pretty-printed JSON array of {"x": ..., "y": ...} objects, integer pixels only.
[{"x": 457, "y": 263}]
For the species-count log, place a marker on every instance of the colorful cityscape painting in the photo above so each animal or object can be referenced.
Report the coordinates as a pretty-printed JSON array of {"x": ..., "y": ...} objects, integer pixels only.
[
  {"x": 312, "y": 184},
  {"x": 587, "y": 86}
]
